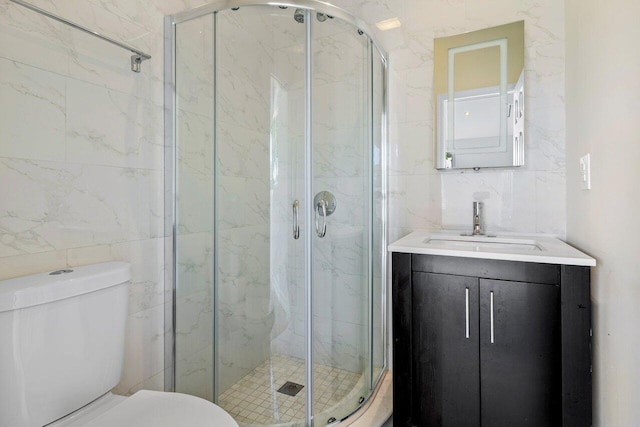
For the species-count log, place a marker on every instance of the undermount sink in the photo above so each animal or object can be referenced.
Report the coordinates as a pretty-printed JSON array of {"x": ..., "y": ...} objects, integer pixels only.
[{"x": 480, "y": 243}]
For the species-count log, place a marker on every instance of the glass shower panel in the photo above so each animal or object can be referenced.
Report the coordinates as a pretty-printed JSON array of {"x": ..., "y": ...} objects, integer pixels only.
[
  {"x": 260, "y": 323},
  {"x": 341, "y": 170},
  {"x": 378, "y": 230},
  {"x": 194, "y": 207}
]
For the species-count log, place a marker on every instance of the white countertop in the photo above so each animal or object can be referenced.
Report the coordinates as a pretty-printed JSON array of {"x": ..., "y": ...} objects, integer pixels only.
[{"x": 529, "y": 248}]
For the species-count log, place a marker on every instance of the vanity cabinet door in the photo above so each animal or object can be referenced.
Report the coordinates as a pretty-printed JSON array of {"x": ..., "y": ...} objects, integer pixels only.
[
  {"x": 445, "y": 319},
  {"x": 520, "y": 363}
]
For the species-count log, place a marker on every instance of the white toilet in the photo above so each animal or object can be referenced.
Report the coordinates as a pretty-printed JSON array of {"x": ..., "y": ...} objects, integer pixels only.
[{"x": 61, "y": 352}]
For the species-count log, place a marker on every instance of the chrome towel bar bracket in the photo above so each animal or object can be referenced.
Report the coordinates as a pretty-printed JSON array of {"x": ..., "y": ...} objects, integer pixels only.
[{"x": 137, "y": 57}]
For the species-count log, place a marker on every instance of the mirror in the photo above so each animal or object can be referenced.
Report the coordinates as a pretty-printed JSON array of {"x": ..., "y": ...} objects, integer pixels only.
[{"x": 479, "y": 98}]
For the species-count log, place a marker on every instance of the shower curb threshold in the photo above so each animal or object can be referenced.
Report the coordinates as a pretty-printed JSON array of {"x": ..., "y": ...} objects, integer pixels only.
[{"x": 378, "y": 408}]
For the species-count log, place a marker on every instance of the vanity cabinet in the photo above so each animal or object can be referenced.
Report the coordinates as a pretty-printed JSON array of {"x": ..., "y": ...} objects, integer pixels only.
[{"x": 490, "y": 343}]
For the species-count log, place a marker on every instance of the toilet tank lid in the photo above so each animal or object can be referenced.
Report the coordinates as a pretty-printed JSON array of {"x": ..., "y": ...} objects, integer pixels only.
[{"x": 28, "y": 291}]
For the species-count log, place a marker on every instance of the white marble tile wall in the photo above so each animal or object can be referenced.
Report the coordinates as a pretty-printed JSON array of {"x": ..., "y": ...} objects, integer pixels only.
[
  {"x": 527, "y": 199},
  {"x": 81, "y": 155}
]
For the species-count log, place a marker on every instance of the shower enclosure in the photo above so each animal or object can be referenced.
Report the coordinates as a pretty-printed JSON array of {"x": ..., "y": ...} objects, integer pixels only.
[{"x": 276, "y": 199}]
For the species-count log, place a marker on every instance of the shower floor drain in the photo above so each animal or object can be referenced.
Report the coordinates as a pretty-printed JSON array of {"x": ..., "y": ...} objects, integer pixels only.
[{"x": 290, "y": 389}]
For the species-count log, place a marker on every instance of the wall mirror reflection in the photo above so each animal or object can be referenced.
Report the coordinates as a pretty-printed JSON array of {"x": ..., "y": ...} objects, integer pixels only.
[{"x": 479, "y": 98}]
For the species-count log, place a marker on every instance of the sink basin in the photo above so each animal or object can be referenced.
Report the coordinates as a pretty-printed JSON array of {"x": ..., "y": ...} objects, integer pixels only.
[
  {"x": 507, "y": 247},
  {"x": 480, "y": 243}
]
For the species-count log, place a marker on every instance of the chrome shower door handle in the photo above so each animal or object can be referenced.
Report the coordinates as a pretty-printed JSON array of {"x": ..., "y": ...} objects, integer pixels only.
[
  {"x": 324, "y": 204},
  {"x": 296, "y": 226},
  {"x": 321, "y": 208}
]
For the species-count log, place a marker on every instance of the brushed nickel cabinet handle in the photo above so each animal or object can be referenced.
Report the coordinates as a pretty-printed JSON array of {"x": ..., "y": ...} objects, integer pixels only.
[
  {"x": 492, "y": 327},
  {"x": 466, "y": 313}
]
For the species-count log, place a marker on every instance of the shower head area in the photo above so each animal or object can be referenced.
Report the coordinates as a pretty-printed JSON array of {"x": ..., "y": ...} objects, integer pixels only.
[
  {"x": 300, "y": 14},
  {"x": 276, "y": 136}
]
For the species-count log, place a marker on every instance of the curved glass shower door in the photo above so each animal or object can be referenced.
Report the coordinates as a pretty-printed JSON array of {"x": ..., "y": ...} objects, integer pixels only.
[
  {"x": 279, "y": 213},
  {"x": 260, "y": 143},
  {"x": 341, "y": 141}
]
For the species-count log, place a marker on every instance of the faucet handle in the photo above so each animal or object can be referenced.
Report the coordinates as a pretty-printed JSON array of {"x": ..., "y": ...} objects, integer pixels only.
[
  {"x": 477, "y": 219},
  {"x": 476, "y": 208}
]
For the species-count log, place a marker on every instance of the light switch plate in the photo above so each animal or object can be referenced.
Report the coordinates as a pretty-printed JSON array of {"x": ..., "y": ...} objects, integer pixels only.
[{"x": 585, "y": 172}]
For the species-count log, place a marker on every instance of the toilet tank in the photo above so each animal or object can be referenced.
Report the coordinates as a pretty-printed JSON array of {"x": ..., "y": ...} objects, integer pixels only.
[{"x": 61, "y": 341}]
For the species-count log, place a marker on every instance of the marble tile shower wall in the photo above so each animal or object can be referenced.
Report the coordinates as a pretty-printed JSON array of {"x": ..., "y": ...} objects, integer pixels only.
[
  {"x": 526, "y": 199},
  {"x": 81, "y": 155}
]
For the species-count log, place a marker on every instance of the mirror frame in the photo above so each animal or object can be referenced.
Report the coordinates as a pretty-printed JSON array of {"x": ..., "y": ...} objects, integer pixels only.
[{"x": 510, "y": 142}]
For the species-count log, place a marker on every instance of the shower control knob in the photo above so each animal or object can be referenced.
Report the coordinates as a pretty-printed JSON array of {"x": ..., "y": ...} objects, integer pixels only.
[{"x": 329, "y": 200}]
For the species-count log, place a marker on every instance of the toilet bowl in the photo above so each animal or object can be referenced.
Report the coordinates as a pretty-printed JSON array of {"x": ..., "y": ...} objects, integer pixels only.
[{"x": 62, "y": 336}]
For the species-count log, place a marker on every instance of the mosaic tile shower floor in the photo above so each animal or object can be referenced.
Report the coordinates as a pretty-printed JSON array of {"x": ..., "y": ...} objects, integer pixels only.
[{"x": 254, "y": 400}]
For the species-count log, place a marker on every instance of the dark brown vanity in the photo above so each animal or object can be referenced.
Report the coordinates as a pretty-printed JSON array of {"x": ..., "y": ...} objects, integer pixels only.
[{"x": 490, "y": 342}]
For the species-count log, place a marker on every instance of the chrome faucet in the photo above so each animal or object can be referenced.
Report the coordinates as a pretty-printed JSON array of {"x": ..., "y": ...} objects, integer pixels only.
[{"x": 477, "y": 219}]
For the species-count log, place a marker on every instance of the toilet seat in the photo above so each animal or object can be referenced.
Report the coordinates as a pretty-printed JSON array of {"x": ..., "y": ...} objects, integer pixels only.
[{"x": 161, "y": 409}]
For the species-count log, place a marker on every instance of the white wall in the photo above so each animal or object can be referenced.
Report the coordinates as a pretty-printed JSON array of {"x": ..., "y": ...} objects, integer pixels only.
[{"x": 603, "y": 100}]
